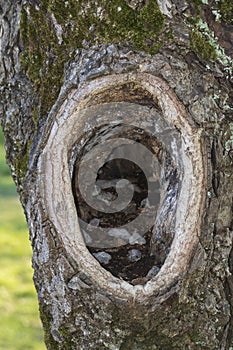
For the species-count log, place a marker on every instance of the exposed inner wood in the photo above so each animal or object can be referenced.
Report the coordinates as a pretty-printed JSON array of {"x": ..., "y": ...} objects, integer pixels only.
[{"x": 127, "y": 92}]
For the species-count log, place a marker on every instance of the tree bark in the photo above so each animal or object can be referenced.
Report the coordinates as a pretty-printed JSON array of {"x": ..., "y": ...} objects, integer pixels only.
[{"x": 66, "y": 68}]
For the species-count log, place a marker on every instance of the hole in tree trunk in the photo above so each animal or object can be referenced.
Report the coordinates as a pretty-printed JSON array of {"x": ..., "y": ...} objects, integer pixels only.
[
  {"x": 128, "y": 226},
  {"x": 106, "y": 120}
]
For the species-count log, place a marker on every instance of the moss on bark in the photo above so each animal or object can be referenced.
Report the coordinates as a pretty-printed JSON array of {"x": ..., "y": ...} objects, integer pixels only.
[
  {"x": 226, "y": 10},
  {"x": 52, "y": 32},
  {"x": 200, "y": 44}
]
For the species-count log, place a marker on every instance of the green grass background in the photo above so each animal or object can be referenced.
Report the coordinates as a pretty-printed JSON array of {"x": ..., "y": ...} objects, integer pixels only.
[{"x": 20, "y": 326}]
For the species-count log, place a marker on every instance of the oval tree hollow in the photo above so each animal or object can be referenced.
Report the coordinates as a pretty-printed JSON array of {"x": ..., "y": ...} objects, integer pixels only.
[{"x": 54, "y": 179}]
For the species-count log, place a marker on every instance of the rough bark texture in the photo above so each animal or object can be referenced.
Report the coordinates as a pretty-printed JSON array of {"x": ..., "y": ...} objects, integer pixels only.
[{"x": 49, "y": 47}]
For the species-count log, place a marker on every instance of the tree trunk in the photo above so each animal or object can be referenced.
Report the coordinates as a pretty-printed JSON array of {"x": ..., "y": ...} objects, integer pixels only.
[{"x": 119, "y": 135}]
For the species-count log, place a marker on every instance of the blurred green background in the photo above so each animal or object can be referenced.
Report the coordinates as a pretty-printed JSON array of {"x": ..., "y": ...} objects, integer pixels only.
[{"x": 20, "y": 326}]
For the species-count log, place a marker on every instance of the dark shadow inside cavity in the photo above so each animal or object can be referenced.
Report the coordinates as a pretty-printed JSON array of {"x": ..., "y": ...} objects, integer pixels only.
[
  {"x": 113, "y": 171},
  {"x": 138, "y": 260}
]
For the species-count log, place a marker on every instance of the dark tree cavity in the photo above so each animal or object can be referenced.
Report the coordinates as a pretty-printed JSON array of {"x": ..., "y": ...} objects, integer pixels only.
[{"x": 134, "y": 258}]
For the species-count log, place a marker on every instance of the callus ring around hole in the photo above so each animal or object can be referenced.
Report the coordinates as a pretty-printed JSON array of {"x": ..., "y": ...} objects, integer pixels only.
[{"x": 102, "y": 111}]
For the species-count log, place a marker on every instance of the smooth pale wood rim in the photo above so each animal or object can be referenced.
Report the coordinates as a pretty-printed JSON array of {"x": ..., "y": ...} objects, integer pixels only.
[{"x": 55, "y": 186}]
